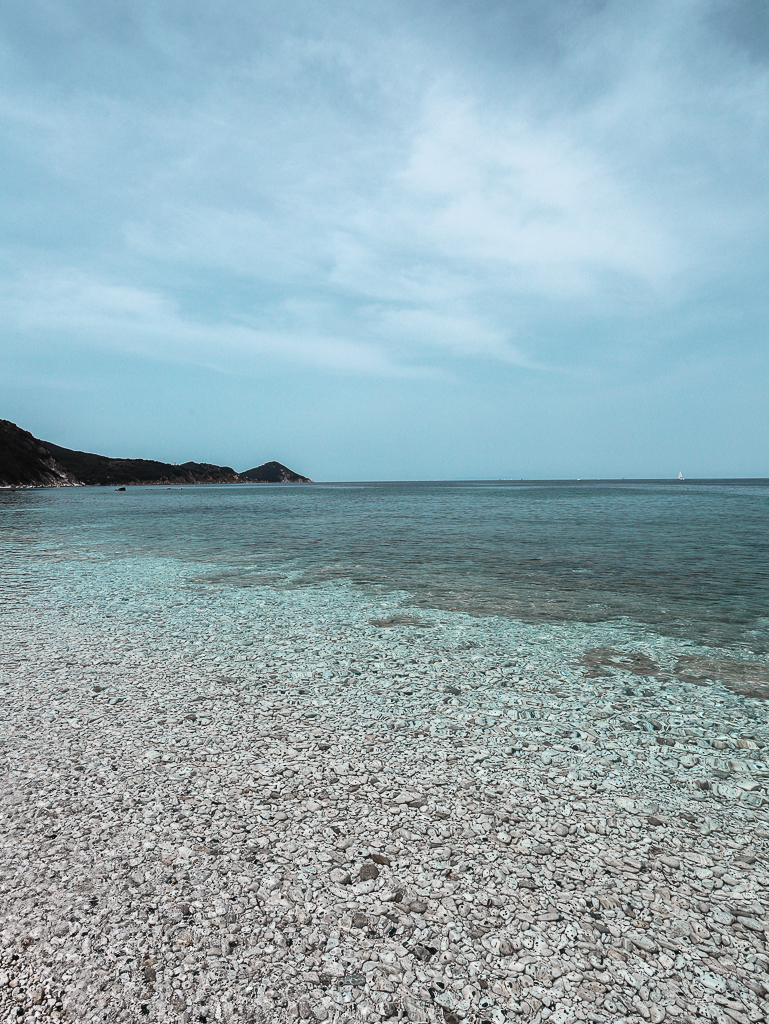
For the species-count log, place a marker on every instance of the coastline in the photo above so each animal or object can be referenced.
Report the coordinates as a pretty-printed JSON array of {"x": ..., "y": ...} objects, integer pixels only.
[
  {"x": 169, "y": 483},
  {"x": 185, "y": 826}
]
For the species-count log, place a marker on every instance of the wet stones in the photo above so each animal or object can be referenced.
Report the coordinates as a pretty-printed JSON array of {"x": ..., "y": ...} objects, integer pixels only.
[{"x": 531, "y": 849}]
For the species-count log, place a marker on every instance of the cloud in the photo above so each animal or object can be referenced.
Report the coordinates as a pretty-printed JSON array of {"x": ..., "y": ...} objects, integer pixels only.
[
  {"x": 82, "y": 311},
  {"x": 530, "y": 203},
  {"x": 387, "y": 191}
]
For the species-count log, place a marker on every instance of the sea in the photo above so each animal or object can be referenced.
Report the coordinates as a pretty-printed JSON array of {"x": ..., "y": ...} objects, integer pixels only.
[{"x": 673, "y": 573}]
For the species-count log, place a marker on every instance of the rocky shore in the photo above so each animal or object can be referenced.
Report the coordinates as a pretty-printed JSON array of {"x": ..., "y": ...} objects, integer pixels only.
[{"x": 278, "y": 819}]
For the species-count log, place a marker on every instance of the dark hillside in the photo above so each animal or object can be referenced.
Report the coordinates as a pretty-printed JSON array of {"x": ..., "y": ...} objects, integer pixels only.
[
  {"x": 274, "y": 473},
  {"x": 101, "y": 470},
  {"x": 27, "y": 462}
]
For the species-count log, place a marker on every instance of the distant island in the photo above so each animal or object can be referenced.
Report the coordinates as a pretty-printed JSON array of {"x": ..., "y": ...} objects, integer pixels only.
[{"x": 25, "y": 461}]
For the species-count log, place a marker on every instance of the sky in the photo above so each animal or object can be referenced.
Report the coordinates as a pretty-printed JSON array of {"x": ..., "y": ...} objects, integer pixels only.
[{"x": 458, "y": 239}]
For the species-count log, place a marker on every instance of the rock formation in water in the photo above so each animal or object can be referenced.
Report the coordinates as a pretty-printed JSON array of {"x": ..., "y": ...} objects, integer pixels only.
[{"x": 26, "y": 461}]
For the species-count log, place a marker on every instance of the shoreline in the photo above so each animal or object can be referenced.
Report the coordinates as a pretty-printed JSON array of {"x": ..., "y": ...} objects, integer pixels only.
[
  {"x": 212, "y": 838},
  {"x": 169, "y": 484}
]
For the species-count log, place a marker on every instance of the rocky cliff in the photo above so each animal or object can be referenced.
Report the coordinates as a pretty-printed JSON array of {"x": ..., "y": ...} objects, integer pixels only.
[{"x": 26, "y": 461}]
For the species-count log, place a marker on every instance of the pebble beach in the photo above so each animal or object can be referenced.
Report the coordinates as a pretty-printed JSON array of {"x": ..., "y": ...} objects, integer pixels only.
[{"x": 301, "y": 808}]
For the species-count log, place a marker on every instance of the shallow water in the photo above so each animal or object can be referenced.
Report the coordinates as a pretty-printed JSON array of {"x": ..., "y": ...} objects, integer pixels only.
[
  {"x": 681, "y": 568},
  {"x": 229, "y": 679}
]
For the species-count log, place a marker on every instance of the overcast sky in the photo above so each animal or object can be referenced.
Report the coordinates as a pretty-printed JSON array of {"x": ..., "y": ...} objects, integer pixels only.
[{"x": 442, "y": 239}]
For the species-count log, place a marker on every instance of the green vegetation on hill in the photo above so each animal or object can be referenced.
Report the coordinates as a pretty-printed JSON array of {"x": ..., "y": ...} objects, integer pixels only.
[
  {"x": 101, "y": 470},
  {"x": 273, "y": 473},
  {"x": 26, "y": 461}
]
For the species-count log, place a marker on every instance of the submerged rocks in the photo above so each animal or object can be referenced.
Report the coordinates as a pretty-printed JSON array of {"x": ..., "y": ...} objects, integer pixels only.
[{"x": 305, "y": 829}]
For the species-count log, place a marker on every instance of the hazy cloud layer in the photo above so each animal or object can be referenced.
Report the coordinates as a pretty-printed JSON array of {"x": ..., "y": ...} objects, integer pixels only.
[{"x": 483, "y": 200}]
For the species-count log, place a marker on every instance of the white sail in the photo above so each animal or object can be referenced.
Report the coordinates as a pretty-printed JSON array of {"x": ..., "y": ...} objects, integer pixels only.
[{"x": 680, "y": 475}]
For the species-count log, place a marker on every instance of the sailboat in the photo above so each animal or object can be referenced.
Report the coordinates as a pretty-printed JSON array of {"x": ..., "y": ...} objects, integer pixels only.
[{"x": 680, "y": 476}]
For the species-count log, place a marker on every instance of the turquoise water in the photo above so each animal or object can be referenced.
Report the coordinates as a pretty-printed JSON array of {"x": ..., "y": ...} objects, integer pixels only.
[{"x": 682, "y": 562}]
